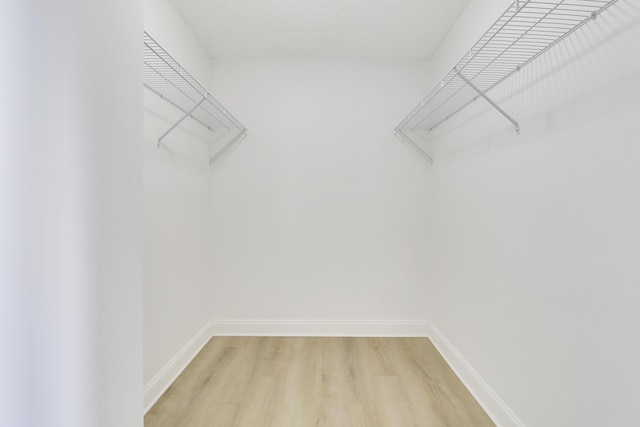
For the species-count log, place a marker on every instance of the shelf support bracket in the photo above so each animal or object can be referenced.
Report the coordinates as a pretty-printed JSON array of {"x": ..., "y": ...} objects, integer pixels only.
[
  {"x": 403, "y": 137},
  {"x": 489, "y": 100},
  {"x": 226, "y": 147},
  {"x": 180, "y": 121}
]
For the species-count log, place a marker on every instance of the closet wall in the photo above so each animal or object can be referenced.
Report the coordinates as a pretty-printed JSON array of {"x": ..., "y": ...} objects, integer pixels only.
[
  {"x": 320, "y": 214},
  {"x": 70, "y": 214},
  {"x": 536, "y": 236},
  {"x": 177, "y": 201}
]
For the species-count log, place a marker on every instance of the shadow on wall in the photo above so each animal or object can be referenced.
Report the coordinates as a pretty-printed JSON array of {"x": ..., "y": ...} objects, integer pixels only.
[
  {"x": 411, "y": 139},
  {"x": 594, "y": 65},
  {"x": 224, "y": 146}
]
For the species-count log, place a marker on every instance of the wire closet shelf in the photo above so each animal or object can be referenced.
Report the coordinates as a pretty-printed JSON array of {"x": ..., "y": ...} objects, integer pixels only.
[
  {"x": 525, "y": 31},
  {"x": 165, "y": 77}
]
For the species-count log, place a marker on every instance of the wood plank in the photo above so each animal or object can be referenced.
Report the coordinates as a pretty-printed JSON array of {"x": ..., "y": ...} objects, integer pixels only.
[
  {"x": 315, "y": 382},
  {"x": 260, "y": 403}
]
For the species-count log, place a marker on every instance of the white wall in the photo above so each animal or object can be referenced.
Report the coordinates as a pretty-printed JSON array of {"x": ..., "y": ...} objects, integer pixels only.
[
  {"x": 177, "y": 205},
  {"x": 320, "y": 213},
  {"x": 70, "y": 214},
  {"x": 536, "y": 236}
]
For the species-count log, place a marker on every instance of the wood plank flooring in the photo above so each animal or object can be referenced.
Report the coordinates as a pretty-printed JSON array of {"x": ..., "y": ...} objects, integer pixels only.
[{"x": 315, "y": 382}]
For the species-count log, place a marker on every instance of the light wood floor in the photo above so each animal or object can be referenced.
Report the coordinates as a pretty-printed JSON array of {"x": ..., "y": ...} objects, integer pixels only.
[{"x": 313, "y": 382}]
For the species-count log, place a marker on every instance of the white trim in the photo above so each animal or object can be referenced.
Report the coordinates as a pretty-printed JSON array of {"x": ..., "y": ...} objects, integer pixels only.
[
  {"x": 493, "y": 405},
  {"x": 321, "y": 328},
  {"x": 155, "y": 388}
]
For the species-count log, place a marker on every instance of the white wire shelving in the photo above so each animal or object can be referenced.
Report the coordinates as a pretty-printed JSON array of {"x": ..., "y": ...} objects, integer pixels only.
[
  {"x": 165, "y": 77},
  {"x": 525, "y": 31}
]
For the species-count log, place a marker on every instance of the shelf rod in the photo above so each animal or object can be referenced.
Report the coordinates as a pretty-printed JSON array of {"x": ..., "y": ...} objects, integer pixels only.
[
  {"x": 180, "y": 121},
  {"x": 489, "y": 100}
]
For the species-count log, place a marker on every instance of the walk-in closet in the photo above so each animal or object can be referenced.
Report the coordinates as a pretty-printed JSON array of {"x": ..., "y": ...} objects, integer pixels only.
[{"x": 338, "y": 213}]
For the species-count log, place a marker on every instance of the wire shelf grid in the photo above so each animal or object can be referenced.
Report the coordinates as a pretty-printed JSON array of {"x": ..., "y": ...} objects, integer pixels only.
[
  {"x": 165, "y": 77},
  {"x": 525, "y": 31}
]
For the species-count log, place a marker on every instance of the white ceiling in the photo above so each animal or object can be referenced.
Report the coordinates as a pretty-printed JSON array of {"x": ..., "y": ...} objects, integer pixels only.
[{"x": 389, "y": 29}]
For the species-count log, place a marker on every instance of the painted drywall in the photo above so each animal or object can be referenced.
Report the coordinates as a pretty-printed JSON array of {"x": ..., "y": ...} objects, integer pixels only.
[
  {"x": 177, "y": 206},
  {"x": 535, "y": 261},
  {"x": 320, "y": 213},
  {"x": 71, "y": 214}
]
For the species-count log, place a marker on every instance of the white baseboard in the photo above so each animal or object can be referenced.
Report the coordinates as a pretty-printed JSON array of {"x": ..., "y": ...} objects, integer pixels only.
[
  {"x": 167, "y": 375},
  {"x": 320, "y": 328},
  {"x": 495, "y": 407}
]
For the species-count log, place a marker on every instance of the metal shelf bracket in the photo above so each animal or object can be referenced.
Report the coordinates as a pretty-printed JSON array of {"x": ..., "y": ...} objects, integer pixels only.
[
  {"x": 489, "y": 100},
  {"x": 401, "y": 135},
  {"x": 189, "y": 113},
  {"x": 228, "y": 146}
]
